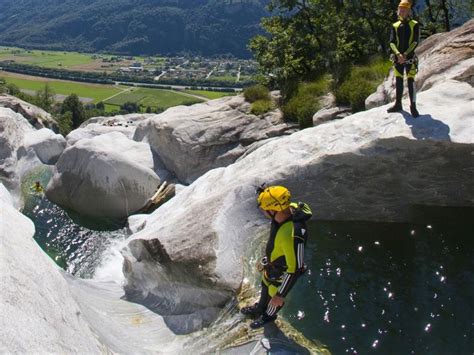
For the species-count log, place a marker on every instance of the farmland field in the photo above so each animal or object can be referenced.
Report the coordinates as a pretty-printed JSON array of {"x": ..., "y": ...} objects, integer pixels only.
[
  {"x": 210, "y": 94},
  {"x": 69, "y": 60},
  {"x": 48, "y": 59},
  {"x": 153, "y": 98},
  {"x": 93, "y": 91}
]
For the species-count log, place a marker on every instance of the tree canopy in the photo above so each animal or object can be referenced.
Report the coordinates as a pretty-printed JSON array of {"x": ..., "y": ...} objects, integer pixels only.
[
  {"x": 148, "y": 27},
  {"x": 307, "y": 38}
]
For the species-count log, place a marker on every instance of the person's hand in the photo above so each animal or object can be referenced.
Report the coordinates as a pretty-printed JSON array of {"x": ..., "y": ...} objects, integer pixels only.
[
  {"x": 401, "y": 58},
  {"x": 277, "y": 301}
]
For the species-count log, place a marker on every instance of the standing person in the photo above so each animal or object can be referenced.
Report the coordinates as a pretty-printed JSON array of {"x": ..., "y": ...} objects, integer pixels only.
[
  {"x": 283, "y": 262},
  {"x": 404, "y": 39}
]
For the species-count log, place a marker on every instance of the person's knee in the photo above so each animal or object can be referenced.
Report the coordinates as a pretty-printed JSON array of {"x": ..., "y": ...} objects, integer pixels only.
[{"x": 397, "y": 73}]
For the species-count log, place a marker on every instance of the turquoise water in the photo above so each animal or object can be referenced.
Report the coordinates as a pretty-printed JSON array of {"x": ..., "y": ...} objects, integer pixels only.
[
  {"x": 371, "y": 287},
  {"x": 77, "y": 249},
  {"x": 389, "y": 288}
]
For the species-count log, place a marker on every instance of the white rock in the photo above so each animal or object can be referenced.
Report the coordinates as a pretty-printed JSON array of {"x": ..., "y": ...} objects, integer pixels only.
[
  {"x": 94, "y": 129},
  {"x": 136, "y": 223},
  {"x": 194, "y": 139},
  {"x": 13, "y": 128},
  {"x": 108, "y": 176},
  {"x": 38, "y": 313},
  {"x": 5, "y": 196},
  {"x": 36, "y": 116},
  {"x": 47, "y": 145},
  {"x": 369, "y": 166},
  {"x": 332, "y": 113},
  {"x": 97, "y": 126}
]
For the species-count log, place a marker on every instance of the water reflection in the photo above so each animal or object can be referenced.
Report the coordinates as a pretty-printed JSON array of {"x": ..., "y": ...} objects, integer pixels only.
[
  {"x": 74, "y": 248},
  {"x": 390, "y": 288}
]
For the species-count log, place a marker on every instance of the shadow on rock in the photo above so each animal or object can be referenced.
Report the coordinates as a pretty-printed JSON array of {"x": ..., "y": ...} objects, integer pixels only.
[
  {"x": 426, "y": 127},
  {"x": 276, "y": 342}
]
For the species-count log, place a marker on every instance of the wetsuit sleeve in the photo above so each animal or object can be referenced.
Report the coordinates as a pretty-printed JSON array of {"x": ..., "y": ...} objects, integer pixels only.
[
  {"x": 416, "y": 39},
  {"x": 293, "y": 248},
  {"x": 393, "y": 41}
]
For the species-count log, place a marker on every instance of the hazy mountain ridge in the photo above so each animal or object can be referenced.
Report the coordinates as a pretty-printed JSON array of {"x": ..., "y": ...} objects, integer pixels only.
[{"x": 207, "y": 27}]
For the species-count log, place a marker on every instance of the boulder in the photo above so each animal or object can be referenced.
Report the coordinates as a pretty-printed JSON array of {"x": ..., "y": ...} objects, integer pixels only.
[
  {"x": 38, "y": 313},
  {"x": 442, "y": 57},
  {"x": 13, "y": 128},
  {"x": 370, "y": 166},
  {"x": 329, "y": 114},
  {"x": 47, "y": 145},
  {"x": 191, "y": 140},
  {"x": 105, "y": 176},
  {"x": 36, "y": 116},
  {"x": 96, "y": 126}
]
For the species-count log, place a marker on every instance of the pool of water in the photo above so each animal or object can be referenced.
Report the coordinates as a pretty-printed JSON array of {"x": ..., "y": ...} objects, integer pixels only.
[
  {"x": 371, "y": 287},
  {"x": 388, "y": 288},
  {"x": 75, "y": 248}
]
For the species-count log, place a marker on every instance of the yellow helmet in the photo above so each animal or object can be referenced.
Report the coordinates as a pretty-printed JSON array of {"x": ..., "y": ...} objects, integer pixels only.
[
  {"x": 405, "y": 3},
  {"x": 274, "y": 198}
]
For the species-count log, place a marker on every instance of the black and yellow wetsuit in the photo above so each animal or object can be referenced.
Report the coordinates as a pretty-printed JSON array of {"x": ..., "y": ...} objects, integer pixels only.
[
  {"x": 404, "y": 38},
  {"x": 284, "y": 257},
  {"x": 37, "y": 189}
]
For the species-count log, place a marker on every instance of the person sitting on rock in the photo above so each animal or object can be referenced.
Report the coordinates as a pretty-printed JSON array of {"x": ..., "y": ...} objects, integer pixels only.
[
  {"x": 283, "y": 262},
  {"x": 37, "y": 188},
  {"x": 404, "y": 38}
]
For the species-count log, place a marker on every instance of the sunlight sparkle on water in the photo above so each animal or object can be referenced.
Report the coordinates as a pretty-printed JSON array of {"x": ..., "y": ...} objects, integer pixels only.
[{"x": 326, "y": 316}]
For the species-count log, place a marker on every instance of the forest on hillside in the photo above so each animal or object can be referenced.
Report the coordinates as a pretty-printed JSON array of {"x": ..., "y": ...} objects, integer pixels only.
[{"x": 146, "y": 27}]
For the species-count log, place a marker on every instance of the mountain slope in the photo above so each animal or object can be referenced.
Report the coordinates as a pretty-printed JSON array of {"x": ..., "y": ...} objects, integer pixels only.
[{"x": 206, "y": 27}]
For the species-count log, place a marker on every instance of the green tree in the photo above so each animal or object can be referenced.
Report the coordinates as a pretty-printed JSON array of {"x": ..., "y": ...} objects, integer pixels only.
[
  {"x": 3, "y": 86},
  {"x": 73, "y": 104},
  {"x": 12, "y": 89},
  {"x": 130, "y": 107},
  {"x": 45, "y": 98},
  {"x": 100, "y": 106},
  {"x": 307, "y": 38},
  {"x": 443, "y": 15},
  {"x": 65, "y": 123}
]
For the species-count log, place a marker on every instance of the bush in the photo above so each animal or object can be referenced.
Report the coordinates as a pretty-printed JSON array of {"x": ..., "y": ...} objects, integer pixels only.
[
  {"x": 256, "y": 92},
  {"x": 65, "y": 123},
  {"x": 302, "y": 106},
  {"x": 354, "y": 93},
  {"x": 260, "y": 107},
  {"x": 301, "y": 109},
  {"x": 361, "y": 82},
  {"x": 3, "y": 86},
  {"x": 13, "y": 90}
]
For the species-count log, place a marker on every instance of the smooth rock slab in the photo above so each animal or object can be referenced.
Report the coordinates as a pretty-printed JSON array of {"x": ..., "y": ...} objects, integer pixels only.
[
  {"x": 191, "y": 140},
  {"x": 38, "y": 313},
  {"x": 370, "y": 166}
]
